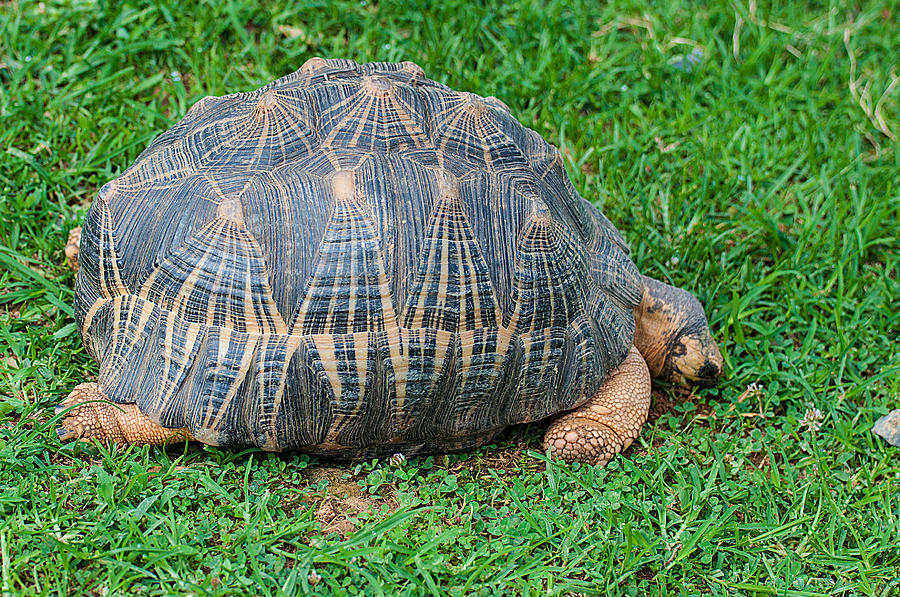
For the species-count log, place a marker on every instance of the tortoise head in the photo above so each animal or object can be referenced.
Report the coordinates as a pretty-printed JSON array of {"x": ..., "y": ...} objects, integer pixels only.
[
  {"x": 693, "y": 358},
  {"x": 673, "y": 335}
]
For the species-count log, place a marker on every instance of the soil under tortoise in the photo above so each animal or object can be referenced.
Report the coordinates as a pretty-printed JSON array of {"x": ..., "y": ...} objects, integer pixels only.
[{"x": 354, "y": 261}]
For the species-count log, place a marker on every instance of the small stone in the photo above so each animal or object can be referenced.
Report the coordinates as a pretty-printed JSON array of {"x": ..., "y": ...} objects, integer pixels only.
[
  {"x": 686, "y": 62},
  {"x": 888, "y": 427}
]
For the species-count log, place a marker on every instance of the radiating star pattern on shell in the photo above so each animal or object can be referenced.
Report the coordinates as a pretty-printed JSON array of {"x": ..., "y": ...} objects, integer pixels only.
[{"x": 352, "y": 260}]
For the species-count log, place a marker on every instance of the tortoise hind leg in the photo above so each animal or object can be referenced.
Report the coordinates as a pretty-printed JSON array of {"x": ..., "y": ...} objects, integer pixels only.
[
  {"x": 91, "y": 416},
  {"x": 607, "y": 423},
  {"x": 72, "y": 248},
  {"x": 672, "y": 334}
]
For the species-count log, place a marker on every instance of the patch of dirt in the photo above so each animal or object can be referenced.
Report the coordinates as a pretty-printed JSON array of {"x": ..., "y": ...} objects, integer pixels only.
[
  {"x": 664, "y": 401},
  {"x": 13, "y": 310},
  {"x": 661, "y": 404},
  {"x": 343, "y": 500},
  {"x": 499, "y": 458},
  {"x": 333, "y": 516},
  {"x": 760, "y": 460},
  {"x": 645, "y": 573},
  {"x": 507, "y": 460}
]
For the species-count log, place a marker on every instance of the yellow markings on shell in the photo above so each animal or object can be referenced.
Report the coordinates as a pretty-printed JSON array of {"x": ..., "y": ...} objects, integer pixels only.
[
  {"x": 396, "y": 346},
  {"x": 110, "y": 281},
  {"x": 350, "y": 206},
  {"x": 376, "y": 102},
  {"x": 91, "y": 313},
  {"x": 214, "y": 411},
  {"x": 293, "y": 344},
  {"x": 120, "y": 335},
  {"x": 190, "y": 340},
  {"x": 324, "y": 344}
]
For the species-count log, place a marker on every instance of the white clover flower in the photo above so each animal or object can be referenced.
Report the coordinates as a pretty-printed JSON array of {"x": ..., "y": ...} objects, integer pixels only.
[
  {"x": 313, "y": 578},
  {"x": 812, "y": 419},
  {"x": 755, "y": 389}
]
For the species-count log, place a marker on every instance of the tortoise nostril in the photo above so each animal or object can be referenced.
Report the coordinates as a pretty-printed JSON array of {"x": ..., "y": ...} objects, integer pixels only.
[{"x": 709, "y": 371}]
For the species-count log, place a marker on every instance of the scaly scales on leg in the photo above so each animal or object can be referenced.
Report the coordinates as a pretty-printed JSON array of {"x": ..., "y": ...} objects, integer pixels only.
[
  {"x": 607, "y": 423},
  {"x": 92, "y": 416}
]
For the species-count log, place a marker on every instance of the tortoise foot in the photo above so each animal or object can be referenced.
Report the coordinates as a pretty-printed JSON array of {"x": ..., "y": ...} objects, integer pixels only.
[
  {"x": 607, "y": 423},
  {"x": 90, "y": 415},
  {"x": 72, "y": 248}
]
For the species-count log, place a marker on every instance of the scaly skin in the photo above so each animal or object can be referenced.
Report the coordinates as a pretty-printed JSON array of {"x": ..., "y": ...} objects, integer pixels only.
[
  {"x": 607, "y": 423},
  {"x": 72, "y": 248},
  {"x": 92, "y": 416},
  {"x": 673, "y": 336}
]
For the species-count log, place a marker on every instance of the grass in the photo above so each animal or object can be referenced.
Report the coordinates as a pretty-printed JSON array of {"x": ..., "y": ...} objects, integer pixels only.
[{"x": 764, "y": 176}]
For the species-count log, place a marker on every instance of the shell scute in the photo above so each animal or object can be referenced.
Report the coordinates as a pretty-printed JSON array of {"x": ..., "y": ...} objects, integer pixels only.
[
  {"x": 348, "y": 291},
  {"x": 372, "y": 114},
  {"x": 469, "y": 129},
  {"x": 452, "y": 289},
  {"x": 217, "y": 277},
  {"x": 535, "y": 395}
]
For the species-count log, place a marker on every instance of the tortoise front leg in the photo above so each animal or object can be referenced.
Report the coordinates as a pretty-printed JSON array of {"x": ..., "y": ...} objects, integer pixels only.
[
  {"x": 607, "y": 423},
  {"x": 93, "y": 416},
  {"x": 672, "y": 334},
  {"x": 72, "y": 248}
]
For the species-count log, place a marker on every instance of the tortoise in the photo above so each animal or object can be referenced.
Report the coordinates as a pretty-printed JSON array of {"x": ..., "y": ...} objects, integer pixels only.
[{"x": 356, "y": 261}]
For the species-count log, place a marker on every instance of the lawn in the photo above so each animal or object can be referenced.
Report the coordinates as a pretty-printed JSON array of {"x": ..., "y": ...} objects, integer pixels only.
[{"x": 748, "y": 152}]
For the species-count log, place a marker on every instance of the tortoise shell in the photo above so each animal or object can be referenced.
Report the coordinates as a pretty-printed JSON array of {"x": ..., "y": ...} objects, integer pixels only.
[{"x": 352, "y": 260}]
